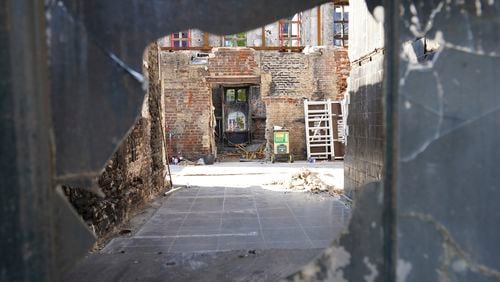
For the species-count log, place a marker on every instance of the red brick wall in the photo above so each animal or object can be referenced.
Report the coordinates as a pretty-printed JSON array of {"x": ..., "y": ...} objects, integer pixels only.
[
  {"x": 286, "y": 78},
  {"x": 233, "y": 61},
  {"x": 330, "y": 72},
  {"x": 342, "y": 68},
  {"x": 288, "y": 112},
  {"x": 188, "y": 106},
  {"x": 295, "y": 76}
]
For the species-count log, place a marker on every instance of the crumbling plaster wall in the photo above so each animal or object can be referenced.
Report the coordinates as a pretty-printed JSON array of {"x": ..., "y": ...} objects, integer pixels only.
[{"x": 364, "y": 151}]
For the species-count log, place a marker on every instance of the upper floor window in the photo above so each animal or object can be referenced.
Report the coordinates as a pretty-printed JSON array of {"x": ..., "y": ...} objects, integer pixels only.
[
  {"x": 341, "y": 25},
  {"x": 290, "y": 31},
  {"x": 180, "y": 39},
  {"x": 235, "y": 40}
]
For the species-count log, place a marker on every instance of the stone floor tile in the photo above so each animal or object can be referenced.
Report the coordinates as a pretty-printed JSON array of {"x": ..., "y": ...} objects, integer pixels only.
[
  {"x": 304, "y": 244},
  {"x": 322, "y": 233},
  {"x": 279, "y": 222},
  {"x": 197, "y": 244},
  {"x": 239, "y": 203},
  {"x": 156, "y": 230},
  {"x": 240, "y": 214},
  {"x": 208, "y": 205},
  {"x": 278, "y": 212},
  {"x": 284, "y": 234},
  {"x": 229, "y": 224},
  {"x": 212, "y": 192},
  {"x": 321, "y": 243}
]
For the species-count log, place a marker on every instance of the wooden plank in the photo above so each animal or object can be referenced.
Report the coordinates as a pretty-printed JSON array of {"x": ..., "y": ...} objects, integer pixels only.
[
  {"x": 206, "y": 44},
  {"x": 263, "y": 36},
  {"x": 319, "y": 25}
]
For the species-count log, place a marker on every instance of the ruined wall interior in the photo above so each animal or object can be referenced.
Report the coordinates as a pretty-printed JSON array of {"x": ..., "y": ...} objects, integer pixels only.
[
  {"x": 188, "y": 105},
  {"x": 258, "y": 111},
  {"x": 283, "y": 80},
  {"x": 364, "y": 153},
  {"x": 136, "y": 172},
  {"x": 294, "y": 77}
]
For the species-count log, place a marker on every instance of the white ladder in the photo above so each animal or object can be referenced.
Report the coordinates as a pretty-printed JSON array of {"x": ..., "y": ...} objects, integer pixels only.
[{"x": 319, "y": 129}]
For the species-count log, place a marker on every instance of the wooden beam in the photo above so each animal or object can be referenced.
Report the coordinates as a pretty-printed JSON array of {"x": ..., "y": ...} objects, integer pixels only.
[
  {"x": 206, "y": 44},
  {"x": 263, "y": 36},
  {"x": 265, "y": 48},
  {"x": 319, "y": 25}
]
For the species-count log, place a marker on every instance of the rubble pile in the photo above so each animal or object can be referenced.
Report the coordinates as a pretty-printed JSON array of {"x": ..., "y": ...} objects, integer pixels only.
[
  {"x": 185, "y": 162},
  {"x": 307, "y": 180}
]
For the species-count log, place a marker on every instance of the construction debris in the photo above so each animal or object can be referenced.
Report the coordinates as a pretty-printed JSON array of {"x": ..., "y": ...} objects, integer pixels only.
[
  {"x": 307, "y": 180},
  {"x": 185, "y": 162}
]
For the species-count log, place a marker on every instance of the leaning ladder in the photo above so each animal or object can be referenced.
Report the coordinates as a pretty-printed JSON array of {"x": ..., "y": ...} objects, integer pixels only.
[{"x": 319, "y": 129}]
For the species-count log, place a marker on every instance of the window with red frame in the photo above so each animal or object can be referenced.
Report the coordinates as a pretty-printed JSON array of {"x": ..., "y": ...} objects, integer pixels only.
[
  {"x": 290, "y": 31},
  {"x": 341, "y": 25},
  {"x": 180, "y": 39}
]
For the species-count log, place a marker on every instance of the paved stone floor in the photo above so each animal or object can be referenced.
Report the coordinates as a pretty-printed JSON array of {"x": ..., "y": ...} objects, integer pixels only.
[
  {"x": 219, "y": 219},
  {"x": 220, "y": 234},
  {"x": 230, "y": 266}
]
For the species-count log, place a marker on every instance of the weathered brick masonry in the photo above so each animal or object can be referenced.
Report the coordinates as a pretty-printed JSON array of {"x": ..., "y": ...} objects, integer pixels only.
[
  {"x": 281, "y": 80},
  {"x": 136, "y": 172},
  {"x": 188, "y": 106},
  {"x": 233, "y": 62}
]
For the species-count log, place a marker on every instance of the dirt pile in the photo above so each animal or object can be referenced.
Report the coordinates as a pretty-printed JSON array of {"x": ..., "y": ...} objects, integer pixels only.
[{"x": 307, "y": 180}]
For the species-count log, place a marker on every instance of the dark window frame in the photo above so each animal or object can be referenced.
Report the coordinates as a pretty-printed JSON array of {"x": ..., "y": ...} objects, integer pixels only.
[{"x": 341, "y": 35}]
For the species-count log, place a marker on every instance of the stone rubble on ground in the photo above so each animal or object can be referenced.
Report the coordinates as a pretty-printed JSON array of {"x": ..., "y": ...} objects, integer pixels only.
[
  {"x": 307, "y": 180},
  {"x": 185, "y": 162}
]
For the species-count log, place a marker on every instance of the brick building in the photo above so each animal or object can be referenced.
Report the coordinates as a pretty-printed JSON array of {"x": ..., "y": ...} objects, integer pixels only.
[{"x": 268, "y": 73}]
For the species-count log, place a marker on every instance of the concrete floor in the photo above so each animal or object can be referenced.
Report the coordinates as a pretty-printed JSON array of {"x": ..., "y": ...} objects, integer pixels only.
[{"x": 244, "y": 233}]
